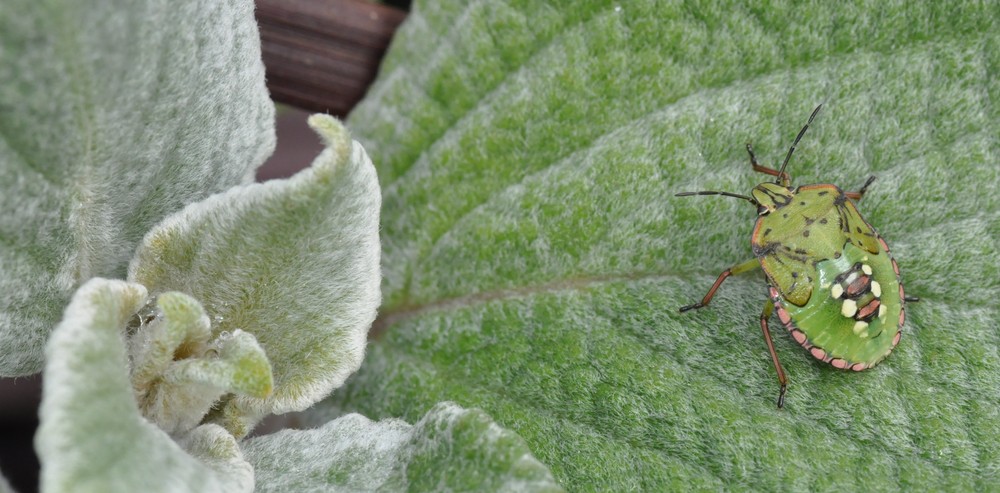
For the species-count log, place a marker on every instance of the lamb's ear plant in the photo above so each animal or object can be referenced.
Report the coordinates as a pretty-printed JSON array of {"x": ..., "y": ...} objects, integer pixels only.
[
  {"x": 171, "y": 303},
  {"x": 113, "y": 115}
]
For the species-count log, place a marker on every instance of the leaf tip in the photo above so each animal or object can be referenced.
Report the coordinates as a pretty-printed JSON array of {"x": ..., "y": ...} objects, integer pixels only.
[{"x": 333, "y": 133}]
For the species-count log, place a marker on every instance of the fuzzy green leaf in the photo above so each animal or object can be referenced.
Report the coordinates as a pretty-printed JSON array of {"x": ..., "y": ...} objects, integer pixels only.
[
  {"x": 294, "y": 262},
  {"x": 535, "y": 256},
  {"x": 113, "y": 115},
  {"x": 179, "y": 372},
  {"x": 92, "y": 436},
  {"x": 449, "y": 449}
]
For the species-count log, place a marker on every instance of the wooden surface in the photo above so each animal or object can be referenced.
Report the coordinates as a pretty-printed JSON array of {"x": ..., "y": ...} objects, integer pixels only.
[{"x": 321, "y": 55}]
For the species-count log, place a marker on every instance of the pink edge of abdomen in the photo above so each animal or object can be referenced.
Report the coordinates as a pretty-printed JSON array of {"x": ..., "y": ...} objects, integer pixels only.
[
  {"x": 799, "y": 336},
  {"x": 784, "y": 316},
  {"x": 818, "y": 353}
]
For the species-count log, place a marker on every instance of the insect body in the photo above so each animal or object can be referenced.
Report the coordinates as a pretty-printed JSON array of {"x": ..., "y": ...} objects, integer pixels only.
[{"x": 831, "y": 278}]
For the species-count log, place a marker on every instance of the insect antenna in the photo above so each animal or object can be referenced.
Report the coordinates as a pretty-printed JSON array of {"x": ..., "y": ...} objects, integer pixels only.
[
  {"x": 727, "y": 194},
  {"x": 802, "y": 132}
]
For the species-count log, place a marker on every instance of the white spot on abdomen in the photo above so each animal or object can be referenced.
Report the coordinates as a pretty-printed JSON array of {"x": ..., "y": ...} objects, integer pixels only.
[
  {"x": 849, "y": 308},
  {"x": 861, "y": 327},
  {"x": 837, "y": 290}
]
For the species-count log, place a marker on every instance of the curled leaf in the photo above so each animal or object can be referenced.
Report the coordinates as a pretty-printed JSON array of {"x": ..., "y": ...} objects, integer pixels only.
[
  {"x": 92, "y": 436},
  {"x": 293, "y": 262},
  {"x": 179, "y": 373}
]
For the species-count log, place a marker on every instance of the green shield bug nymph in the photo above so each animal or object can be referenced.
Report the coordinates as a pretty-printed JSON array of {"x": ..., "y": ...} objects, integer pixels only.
[{"x": 830, "y": 275}]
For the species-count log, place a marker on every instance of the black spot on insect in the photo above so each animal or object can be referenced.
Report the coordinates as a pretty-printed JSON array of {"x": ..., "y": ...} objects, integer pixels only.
[
  {"x": 764, "y": 250},
  {"x": 836, "y": 255},
  {"x": 809, "y": 220},
  {"x": 767, "y": 231},
  {"x": 823, "y": 221},
  {"x": 801, "y": 251},
  {"x": 780, "y": 200},
  {"x": 802, "y": 203},
  {"x": 824, "y": 192},
  {"x": 787, "y": 248},
  {"x": 785, "y": 215},
  {"x": 805, "y": 233},
  {"x": 795, "y": 274},
  {"x": 858, "y": 229},
  {"x": 840, "y": 200}
]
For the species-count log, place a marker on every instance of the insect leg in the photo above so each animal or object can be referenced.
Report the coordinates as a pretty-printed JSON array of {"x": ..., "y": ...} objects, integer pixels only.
[
  {"x": 736, "y": 269},
  {"x": 764, "y": 315},
  {"x": 764, "y": 169},
  {"x": 860, "y": 193}
]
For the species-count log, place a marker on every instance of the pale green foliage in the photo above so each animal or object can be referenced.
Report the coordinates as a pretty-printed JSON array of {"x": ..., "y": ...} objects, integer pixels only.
[
  {"x": 448, "y": 449},
  {"x": 178, "y": 371},
  {"x": 98, "y": 430},
  {"x": 112, "y": 115},
  {"x": 535, "y": 257},
  {"x": 92, "y": 436},
  {"x": 294, "y": 262},
  {"x": 252, "y": 301}
]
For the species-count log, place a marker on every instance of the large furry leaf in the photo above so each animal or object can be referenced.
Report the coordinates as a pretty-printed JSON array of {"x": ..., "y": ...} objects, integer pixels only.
[
  {"x": 449, "y": 449},
  {"x": 112, "y": 115},
  {"x": 92, "y": 437},
  {"x": 535, "y": 257}
]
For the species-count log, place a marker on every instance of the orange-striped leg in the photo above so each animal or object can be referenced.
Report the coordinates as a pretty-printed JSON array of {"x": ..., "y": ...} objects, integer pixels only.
[
  {"x": 860, "y": 193},
  {"x": 764, "y": 169},
  {"x": 736, "y": 269},
  {"x": 764, "y": 315}
]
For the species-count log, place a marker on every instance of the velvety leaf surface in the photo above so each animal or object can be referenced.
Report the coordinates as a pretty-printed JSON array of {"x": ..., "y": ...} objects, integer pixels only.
[
  {"x": 179, "y": 371},
  {"x": 535, "y": 257},
  {"x": 92, "y": 437},
  {"x": 112, "y": 115},
  {"x": 448, "y": 449},
  {"x": 293, "y": 262}
]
